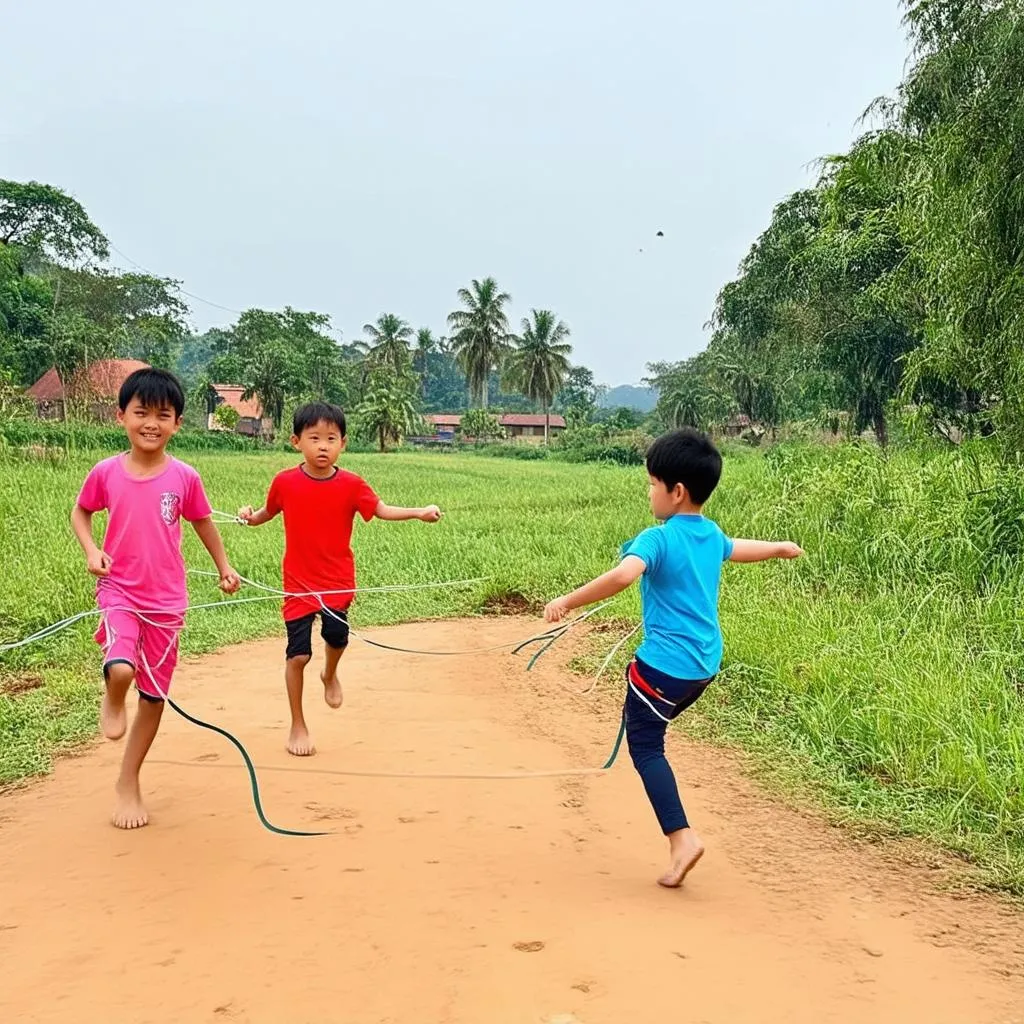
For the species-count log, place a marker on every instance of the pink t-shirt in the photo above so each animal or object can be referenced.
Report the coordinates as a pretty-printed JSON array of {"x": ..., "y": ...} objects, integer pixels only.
[{"x": 143, "y": 535}]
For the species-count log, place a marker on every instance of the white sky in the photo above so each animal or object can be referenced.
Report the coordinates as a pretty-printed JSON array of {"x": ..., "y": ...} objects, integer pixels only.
[{"x": 356, "y": 159}]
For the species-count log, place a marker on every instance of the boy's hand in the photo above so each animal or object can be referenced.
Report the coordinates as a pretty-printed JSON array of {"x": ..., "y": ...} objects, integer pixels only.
[
  {"x": 555, "y": 611},
  {"x": 229, "y": 581},
  {"x": 99, "y": 562},
  {"x": 431, "y": 514},
  {"x": 245, "y": 513},
  {"x": 787, "y": 549}
]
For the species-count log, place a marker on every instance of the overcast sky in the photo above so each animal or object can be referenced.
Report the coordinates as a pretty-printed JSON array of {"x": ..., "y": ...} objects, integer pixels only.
[{"x": 362, "y": 158}]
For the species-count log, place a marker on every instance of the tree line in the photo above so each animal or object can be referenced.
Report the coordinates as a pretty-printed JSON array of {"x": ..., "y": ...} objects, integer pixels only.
[
  {"x": 63, "y": 306},
  {"x": 895, "y": 285}
]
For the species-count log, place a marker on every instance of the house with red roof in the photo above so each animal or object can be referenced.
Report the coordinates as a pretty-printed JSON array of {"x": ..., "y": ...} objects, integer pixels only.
[
  {"x": 518, "y": 426},
  {"x": 251, "y": 420},
  {"x": 93, "y": 388}
]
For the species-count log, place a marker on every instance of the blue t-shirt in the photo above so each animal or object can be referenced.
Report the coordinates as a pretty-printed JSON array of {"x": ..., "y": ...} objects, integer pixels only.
[{"x": 679, "y": 595}]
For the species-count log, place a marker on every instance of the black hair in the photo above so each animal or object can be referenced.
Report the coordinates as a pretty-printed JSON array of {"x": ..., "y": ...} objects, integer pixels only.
[
  {"x": 312, "y": 413},
  {"x": 153, "y": 389},
  {"x": 686, "y": 457}
]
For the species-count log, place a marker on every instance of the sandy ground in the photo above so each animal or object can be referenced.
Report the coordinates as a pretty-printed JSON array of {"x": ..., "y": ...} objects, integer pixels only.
[{"x": 441, "y": 900}]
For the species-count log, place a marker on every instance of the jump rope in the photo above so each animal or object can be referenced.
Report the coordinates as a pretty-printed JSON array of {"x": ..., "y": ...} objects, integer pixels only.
[{"x": 545, "y": 639}]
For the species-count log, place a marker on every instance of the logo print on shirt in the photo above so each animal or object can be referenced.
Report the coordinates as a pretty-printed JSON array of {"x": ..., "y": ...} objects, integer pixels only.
[{"x": 169, "y": 506}]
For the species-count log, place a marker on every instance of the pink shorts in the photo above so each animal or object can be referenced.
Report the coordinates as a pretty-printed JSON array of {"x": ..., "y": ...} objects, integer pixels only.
[{"x": 149, "y": 643}]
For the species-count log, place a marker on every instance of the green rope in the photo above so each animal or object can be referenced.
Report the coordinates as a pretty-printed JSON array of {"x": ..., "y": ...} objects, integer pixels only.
[
  {"x": 618, "y": 743},
  {"x": 252, "y": 773}
]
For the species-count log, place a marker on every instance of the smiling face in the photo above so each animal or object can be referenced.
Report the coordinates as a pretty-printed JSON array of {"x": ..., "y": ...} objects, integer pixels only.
[
  {"x": 149, "y": 427},
  {"x": 320, "y": 445}
]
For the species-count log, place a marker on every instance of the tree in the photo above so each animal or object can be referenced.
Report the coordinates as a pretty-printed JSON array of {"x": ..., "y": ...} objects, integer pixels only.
[
  {"x": 49, "y": 223},
  {"x": 480, "y": 333},
  {"x": 271, "y": 369},
  {"x": 226, "y": 416},
  {"x": 388, "y": 342},
  {"x": 540, "y": 361},
  {"x": 579, "y": 389},
  {"x": 962, "y": 107},
  {"x": 388, "y": 409},
  {"x": 480, "y": 425},
  {"x": 137, "y": 314},
  {"x": 426, "y": 346},
  {"x": 691, "y": 393},
  {"x": 26, "y": 305}
]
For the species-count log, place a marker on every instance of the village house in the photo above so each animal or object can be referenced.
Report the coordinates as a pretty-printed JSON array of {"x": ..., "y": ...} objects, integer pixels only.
[
  {"x": 92, "y": 389},
  {"x": 251, "y": 421},
  {"x": 518, "y": 426}
]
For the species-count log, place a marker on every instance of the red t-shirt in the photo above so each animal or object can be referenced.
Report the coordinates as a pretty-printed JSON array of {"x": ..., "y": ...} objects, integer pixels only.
[{"x": 318, "y": 518}]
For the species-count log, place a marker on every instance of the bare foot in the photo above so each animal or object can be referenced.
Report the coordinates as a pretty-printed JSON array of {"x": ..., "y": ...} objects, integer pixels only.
[
  {"x": 299, "y": 742},
  {"x": 129, "y": 812},
  {"x": 332, "y": 690},
  {"x": 685, "y": 855},
  {"x": 113, "y": 720}
]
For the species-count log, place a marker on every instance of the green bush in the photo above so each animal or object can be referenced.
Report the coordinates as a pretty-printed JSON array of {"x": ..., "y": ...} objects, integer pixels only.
[{"x": 598, "y": 443}]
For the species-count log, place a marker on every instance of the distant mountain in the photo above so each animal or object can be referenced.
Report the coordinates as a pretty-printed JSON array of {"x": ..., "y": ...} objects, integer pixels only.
[{"x": 632, "y": 396}]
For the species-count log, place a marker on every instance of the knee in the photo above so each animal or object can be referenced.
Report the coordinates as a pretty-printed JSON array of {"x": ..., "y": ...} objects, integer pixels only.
[
  {"x": 644, "y": 746},
  {"x": 299, "y": 660},
  {"x": 120, "y": 674}
]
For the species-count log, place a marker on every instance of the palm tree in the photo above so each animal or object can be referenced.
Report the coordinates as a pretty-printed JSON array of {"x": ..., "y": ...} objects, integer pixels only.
[
  {"x": 426, "y": 345},
  {"x": 388, "y": 343},
  {"x": 388, "y": 409},
  {"x": 481, "y": 335},
  {"x": 270, "y": 371},
  {"x": 540, "y": 361}
]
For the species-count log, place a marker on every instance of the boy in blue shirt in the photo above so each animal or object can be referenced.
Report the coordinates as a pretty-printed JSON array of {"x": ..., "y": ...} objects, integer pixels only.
[{"x": 679, "y": 565}]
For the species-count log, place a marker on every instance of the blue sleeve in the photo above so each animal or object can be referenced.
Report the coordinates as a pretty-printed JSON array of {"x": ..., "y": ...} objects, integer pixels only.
[
  {"x": 647, "y": 547},
  {"x": 727, "y": 546}
]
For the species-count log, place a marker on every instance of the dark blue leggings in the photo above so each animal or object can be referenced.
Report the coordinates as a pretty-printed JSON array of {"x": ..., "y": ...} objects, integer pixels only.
[{"x": 646, "y": 721}]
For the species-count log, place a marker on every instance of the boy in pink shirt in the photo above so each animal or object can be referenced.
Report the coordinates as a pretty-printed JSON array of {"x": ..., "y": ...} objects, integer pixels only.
[{"x": 141, "y": 588}]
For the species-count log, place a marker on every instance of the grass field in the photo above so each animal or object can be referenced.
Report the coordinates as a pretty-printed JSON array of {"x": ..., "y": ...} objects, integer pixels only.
[{"x": 883, "y": 673}]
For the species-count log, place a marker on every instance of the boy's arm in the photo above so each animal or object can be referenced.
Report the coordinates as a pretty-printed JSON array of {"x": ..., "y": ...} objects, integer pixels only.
[
  {"x": 98, "y": 562},
  {"x": 255, "y": 517},
  {"x": 762, "y": 550},
  {"x": 395, "y": 514},
  {"x": 627, "y": 572},
  {"x": 208, "y": 533}
]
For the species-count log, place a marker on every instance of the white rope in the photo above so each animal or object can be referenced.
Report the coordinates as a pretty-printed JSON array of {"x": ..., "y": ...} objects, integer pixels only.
[
  {"x": 608, "y": 660},
  {"x": 554, "y": 773},
  {"x": 56, "y": 627},
  {"x": 274, "y": 594}
]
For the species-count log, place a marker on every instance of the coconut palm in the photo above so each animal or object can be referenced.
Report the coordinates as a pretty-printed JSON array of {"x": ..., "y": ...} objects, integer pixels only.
[
  {"x": 540, "y": 361},
  {"x": 388, "y": 342},
  {"x": 388, "y": 410},
  {"x": 480, "y": 333},
  {"x": 426, "y": 346},
  {"x": 271, "y": 374}
]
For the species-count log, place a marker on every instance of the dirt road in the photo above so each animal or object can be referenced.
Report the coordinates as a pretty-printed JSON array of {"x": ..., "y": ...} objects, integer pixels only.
[{"x": 462, "y": 901}]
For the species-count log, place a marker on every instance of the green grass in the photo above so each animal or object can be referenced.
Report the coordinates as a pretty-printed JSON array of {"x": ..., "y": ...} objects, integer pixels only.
[{"x": 883, "y": 672}]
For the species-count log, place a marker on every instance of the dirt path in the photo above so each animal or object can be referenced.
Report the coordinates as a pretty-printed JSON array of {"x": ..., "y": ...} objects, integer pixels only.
[{"x": 481, "y": 902}]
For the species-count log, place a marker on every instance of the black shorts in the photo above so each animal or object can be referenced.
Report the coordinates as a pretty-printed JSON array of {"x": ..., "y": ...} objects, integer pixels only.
[{"x": 333, "y": 628}]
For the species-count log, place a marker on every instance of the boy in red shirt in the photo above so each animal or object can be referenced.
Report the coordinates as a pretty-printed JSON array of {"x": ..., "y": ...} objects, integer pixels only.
[{"x": 320, "y": 503}]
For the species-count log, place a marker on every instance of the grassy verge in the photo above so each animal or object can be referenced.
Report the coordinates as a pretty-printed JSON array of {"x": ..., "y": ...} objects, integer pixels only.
[{"x": 884, "y": 670}]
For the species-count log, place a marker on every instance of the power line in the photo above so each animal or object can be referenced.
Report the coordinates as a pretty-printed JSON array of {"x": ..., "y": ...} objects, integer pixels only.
[{"x": 197, "y": 298}]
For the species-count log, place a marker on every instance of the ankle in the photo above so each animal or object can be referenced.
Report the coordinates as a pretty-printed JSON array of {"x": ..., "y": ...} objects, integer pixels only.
[{"x": 681, "y": 838}]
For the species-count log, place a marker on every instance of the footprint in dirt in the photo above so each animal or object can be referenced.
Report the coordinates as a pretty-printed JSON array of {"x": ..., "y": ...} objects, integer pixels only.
[
  {"x": 528, "y": 947},
  {"x": 322, "y": 812}
]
